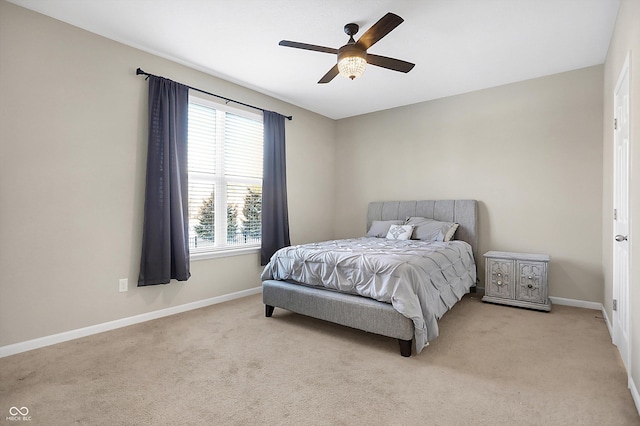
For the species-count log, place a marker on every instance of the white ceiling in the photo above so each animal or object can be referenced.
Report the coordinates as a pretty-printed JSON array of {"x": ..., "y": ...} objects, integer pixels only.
[{"x": 458, "y": 46}]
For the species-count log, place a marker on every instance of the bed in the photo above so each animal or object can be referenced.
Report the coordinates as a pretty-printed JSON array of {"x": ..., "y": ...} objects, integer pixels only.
[{"x": 417, "y": 295}]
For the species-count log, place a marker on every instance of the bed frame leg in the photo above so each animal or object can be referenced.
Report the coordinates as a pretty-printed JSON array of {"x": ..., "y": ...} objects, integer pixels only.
[
  {"x": 268, "y": 310},
  {"x": 405, "y": 347}
]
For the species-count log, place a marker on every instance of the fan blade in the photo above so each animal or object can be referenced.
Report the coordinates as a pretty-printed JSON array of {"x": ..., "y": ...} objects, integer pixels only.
[
  {"x": 380, "y": 29},
  {"x": 390, "y": 63},
  {"x": 306, "y": 46},
  {"x": 330, "y": 75}
]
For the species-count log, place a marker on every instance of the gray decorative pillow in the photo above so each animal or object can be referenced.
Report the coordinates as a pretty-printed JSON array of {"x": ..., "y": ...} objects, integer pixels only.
[
  {"x": 431, "y": 230},
  {"x": 380, "y": 228},
  {"x": 400, "y": 232}
]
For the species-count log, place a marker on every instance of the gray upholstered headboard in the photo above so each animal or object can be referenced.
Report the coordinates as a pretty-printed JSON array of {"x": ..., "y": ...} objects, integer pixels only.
[{"x": 464, "y": 212}]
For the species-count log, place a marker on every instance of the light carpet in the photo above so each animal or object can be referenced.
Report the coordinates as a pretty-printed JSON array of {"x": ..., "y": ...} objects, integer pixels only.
[{"x": 227, "y": 364}]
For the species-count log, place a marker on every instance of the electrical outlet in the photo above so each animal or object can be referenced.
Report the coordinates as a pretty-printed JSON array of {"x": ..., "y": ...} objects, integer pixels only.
[{"x": 124, "y": 284}]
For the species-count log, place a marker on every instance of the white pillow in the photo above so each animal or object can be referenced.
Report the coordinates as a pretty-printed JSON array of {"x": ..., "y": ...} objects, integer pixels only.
[
  {"x": 400, "y": 232},
  {"x": 432, "y": 230},
  {"x": 380, "y": 228},
  {"x": 451, "y": 232}
]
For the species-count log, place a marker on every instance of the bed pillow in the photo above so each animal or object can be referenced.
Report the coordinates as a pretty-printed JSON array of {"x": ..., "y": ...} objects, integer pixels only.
[
  {"x": 400, "y": 232},
  {"x": 380, "y": 228},
  {"x": 431, "y": 230}
]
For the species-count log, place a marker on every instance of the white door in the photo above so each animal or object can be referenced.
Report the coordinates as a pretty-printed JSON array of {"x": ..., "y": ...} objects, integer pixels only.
[{"x": 621, "y": 244}]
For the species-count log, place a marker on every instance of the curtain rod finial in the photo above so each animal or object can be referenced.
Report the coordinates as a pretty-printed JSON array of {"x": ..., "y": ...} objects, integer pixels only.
[{"x": 139, "y": 71}]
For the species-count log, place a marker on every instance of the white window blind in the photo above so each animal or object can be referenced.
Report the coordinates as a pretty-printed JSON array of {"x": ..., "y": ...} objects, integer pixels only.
[{"x": 225, "y": 177}]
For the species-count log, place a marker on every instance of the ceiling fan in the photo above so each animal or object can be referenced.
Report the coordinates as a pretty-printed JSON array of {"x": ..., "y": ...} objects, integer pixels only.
[{"x": 353, "y": 56}]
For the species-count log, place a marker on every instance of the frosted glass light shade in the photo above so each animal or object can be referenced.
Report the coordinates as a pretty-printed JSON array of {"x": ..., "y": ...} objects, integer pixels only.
[{"x": 352, "y": 66}]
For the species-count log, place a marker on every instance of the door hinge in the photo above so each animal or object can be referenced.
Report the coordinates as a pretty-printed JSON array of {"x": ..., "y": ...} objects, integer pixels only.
[
  {"x": 615, "y": 305},
  {"x": 615, "y": 124},
  {"x": 615, "y": 214}
]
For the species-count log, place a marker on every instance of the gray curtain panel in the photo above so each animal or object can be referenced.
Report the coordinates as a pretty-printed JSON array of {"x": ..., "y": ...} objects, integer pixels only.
[
  {"x": 165, "y": 238},
  {"x": 275, "y": 213}
]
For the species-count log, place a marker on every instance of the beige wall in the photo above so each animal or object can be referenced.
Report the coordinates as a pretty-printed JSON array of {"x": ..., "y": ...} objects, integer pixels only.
[
  {"x": 530, "y": 152},
  {"x": 626, "y": 37},
  {"x": 72, "y": 167}
]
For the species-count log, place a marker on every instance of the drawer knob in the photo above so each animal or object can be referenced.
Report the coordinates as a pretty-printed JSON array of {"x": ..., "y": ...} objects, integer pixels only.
[
  {"x": 499, "y": 274},
  {"x": 530, "y": 277},
  {"x": 499, "y": 282},
  {"x": 530, "y": 286}
]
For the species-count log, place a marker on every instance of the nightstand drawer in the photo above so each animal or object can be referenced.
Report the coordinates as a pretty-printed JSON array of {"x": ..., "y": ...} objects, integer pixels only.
[
  {"x": 531, "y": 279},
  {"x": 500, "y": 278}
]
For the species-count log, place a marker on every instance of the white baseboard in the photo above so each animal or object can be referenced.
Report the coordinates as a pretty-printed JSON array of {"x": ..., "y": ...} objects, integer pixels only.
[
  {"x": 576, "y": 303},
  {"x": 40, "y": 342},
  {"x": 566, "y": 302},
  {"x": 630, "y": 383},
  {"x": 634, "y": 393},
  {"x": 606, "y": 321}
]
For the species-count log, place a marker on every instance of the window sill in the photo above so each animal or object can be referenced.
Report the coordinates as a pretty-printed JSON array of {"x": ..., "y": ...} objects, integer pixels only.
[{"x": 226, "y": 252}]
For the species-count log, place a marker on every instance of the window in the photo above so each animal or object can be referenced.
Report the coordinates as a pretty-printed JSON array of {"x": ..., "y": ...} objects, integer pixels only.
[{"x": 225, "y": 178}]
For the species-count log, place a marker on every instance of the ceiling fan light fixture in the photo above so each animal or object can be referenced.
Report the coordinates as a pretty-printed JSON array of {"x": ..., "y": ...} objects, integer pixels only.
[{"x": 352, "y": 66}]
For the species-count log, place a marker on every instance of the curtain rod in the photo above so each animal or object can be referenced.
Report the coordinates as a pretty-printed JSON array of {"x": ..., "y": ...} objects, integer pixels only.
[{"x": 140, "y": 72}]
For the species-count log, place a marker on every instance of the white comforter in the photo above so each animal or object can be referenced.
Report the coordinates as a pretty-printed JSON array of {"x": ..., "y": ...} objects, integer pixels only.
[{"x": 422, "y": 280}]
